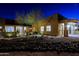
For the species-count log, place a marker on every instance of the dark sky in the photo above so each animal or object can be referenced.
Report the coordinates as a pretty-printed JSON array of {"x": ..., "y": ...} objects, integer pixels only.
[{"x": 67, "y": 10}]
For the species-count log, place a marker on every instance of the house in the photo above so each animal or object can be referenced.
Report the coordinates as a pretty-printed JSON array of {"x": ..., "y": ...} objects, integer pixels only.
[
  {"x": 57, "y": 25},
  {"x": 11, "y": 28}
]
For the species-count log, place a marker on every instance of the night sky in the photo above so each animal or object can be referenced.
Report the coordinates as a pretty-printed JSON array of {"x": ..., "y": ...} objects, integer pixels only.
[{"x": 67, "y": 10}]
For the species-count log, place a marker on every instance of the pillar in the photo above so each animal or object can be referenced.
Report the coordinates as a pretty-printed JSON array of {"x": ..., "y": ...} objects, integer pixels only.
[
  {"x": 23, "y": 31},
  {"x": 65, "y": 29},
  {"x": 15, "y": 30},
  {"x": 3, "y": 30}
]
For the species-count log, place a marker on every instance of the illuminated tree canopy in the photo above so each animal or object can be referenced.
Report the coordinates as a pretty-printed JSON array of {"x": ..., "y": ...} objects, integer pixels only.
[{"x": 29, "y": 18}]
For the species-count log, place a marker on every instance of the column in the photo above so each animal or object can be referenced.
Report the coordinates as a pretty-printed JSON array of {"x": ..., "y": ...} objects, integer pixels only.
[
  {"x": 15, "y": 30},
  {"x": 3, "y": 30},
  {"x": 23, "y": 31},
  {"x": 65, "y": 29}
]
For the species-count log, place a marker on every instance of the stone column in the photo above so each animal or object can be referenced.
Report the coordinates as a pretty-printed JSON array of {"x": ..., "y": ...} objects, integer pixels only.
[
  {"x": 3, "y": 30},
  {"x": 23, "y": 30},
  {"x": 65, "y": 29},
  {"x": 15, "y": 30}
]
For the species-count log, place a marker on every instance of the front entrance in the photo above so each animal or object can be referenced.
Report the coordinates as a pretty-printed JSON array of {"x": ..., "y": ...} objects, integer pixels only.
[{"x": 73, "y": 29}]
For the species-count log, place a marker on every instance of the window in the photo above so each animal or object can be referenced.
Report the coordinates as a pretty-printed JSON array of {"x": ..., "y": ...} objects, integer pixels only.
[
  {"x": 42, "y": 28},
  {"x": 25, "y": 28},
  {"x": 19, "y": 28},
  {"x": 9, "y": 28},
  {"x": 48, "y": 28},
  {"x": 0, "y": 27}
]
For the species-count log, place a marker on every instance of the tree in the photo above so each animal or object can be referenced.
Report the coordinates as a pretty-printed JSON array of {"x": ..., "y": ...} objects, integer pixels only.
[
  {"x": 29, "y": 18},
  {"x": 19, "y": 18}
]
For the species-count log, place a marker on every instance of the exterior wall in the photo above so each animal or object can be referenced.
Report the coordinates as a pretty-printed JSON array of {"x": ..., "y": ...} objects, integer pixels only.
[
  {"x": 52, "y": 22},
  {"x": 54, "y": 27},
  {"x": 37, "y": 25}
]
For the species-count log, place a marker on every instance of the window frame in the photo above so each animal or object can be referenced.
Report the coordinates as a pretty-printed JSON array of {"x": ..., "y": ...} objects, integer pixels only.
[
  {"x": 48, "y": 28},
  {"x": 8, "y": 28},
  {"x": 42, "y": 28}
]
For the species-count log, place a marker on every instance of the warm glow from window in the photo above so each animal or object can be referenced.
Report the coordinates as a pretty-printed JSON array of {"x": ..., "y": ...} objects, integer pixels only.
[
  {"x": 42, "y": 28},
  {"x": 19, "y": 28},
  {"x": 24, "y": 28},
  {"x": 48, "y": 28},
  {"x": 0, "y": 27},
  {"x": 9, "y": 28}
]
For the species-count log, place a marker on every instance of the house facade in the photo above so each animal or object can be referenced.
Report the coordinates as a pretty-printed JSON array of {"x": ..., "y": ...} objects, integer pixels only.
[
  {"x": 57, "y": 25},
  {"x": 10, "y": 28}
]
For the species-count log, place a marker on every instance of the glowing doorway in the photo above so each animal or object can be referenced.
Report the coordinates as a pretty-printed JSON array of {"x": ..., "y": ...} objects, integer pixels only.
[{"x": 73, "y": 29}]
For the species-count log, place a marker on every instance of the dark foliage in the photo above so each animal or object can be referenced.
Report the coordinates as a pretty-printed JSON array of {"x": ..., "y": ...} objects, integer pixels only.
[{"x": 37, "y": 44}]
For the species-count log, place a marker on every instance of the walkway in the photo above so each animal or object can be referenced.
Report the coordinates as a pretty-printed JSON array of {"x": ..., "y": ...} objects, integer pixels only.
[{"x": 77, "y": 36}]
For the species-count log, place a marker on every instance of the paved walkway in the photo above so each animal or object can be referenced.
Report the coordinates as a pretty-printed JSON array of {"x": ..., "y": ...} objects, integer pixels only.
[{"x": 77, "y": 36}]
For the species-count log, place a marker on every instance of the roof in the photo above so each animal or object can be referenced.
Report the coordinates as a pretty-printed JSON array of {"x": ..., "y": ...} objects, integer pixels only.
[
  {"x": 57, "y": 16},
  {"x": 11, "y": 22}
]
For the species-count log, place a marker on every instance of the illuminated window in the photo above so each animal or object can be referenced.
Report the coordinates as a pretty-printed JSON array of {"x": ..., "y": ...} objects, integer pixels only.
[
  {"x": 24, "y": 28},
  {"x": 42, "y": 28},
  {"x": 19, "y": 28},
  {"x": 9, "y": 28},
  {"x": 0, "y": 27},
  {"x": 48, "y": 28}
]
